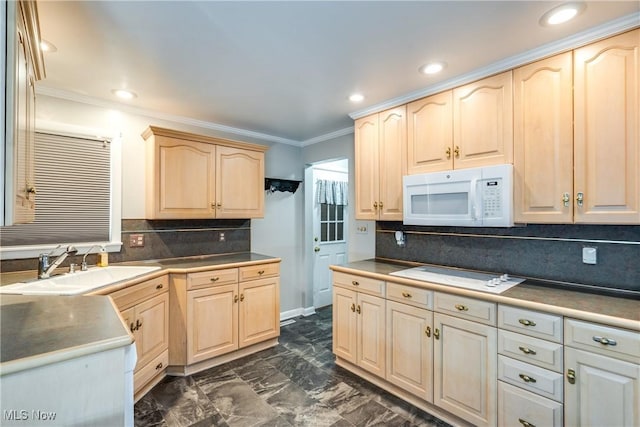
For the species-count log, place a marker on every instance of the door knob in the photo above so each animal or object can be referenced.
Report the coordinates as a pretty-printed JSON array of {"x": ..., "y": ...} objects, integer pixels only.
[{"x": 316, "y": 249}]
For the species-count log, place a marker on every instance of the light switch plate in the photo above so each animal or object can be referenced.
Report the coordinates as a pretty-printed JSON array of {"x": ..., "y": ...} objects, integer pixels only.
[{"x": 589, "y": 255}]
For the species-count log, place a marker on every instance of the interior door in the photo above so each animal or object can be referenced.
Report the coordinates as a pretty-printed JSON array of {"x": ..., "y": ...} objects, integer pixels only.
[{"x": 330, "y": 248}]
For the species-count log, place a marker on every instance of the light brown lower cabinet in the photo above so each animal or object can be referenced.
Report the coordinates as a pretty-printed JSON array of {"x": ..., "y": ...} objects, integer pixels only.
[
  {"x": 359, "y": 329},
  {"x": 145, "y": 310},
  {"x": 465, "y": 361},
  {"x": 410, "y": 349},
  {"x": 214, "y": 315}
]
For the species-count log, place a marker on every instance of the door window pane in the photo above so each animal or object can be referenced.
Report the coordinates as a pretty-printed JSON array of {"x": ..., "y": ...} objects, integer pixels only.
[{"x": 331, "y": 223}]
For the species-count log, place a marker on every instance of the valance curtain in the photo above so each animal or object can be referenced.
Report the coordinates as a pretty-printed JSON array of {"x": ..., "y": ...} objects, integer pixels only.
[{"x": 332, "y": 192}]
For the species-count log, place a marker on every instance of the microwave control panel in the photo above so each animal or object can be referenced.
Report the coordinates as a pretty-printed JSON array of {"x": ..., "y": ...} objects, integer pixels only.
[{"x": 491, "y": 197}]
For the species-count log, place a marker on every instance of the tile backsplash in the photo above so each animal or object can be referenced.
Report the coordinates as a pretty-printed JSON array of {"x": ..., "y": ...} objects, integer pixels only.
[
  {"x": 550, "y": 252},
  {"x": 166, "y": 239}
]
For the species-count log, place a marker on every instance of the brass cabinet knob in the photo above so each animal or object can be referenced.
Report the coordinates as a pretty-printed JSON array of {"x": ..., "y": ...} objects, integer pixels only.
[
  {"x": 456, "y": 151},
  {"x": 380, "y": 204},
  {"x": 375, "y": 205},
  {"x": 219, "y": 205},
  {"x": 241, "y": 297},
  {"x": 580, "y": 199},
  {"x": 605, "y": 341},
  {"x": 355, "y": 283},
  {"x": 213, "y": 205},
  {"x": 353, "y": 307},
  {"x": 406, "y": 294},
  {"x": 527, "y": 378},
  {"x": 436, "y": 334},
  {"x": 571, "y": 376},
  {"x": 214, "y": 279},
  {"x": 358, "y": 309},
  {"x": 461, "y": 307},
  {"x": 526, "y": 322},
  {"x": 235, "y": 298},
  {"x": 159, "y": 366},
  {"x": 527, "y": 350},
  {"x": 448, "y": 152},
  {"x": 427, "y": 331},
  {"x": 160, "y": 286},
  {"x": 565, "y": 199},
  {"x": 31, "y": 189},
  {"x": 316, "y": 249},
  {"x": 261, "y": 272},
  {"x": 525, "y": 423}
]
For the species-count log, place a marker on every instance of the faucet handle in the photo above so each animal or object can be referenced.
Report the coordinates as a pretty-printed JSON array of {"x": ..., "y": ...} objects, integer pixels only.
[
  {"x": 43, "y": 264},
  {"x": 72, "y": 267}
]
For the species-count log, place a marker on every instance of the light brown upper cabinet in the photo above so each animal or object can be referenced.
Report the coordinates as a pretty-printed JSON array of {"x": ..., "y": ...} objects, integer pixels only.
[
  {"x": 483, "y": 122},
  {"x": 193, "y": 176},
  {"x": 24, "y": 65},
  {"x": 380, "y": 160},
  {"x": 469, "y": 126},
  {"x": 430, "y": 134},
  {"x": 606, "y": 141},
  {"x": 543, "y": 141}
]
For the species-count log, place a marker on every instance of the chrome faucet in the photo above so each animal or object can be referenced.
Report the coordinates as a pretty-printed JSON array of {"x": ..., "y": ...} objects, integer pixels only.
[
  {"x": 83, "y": 266},
  {"x": 44, "y": 269}
]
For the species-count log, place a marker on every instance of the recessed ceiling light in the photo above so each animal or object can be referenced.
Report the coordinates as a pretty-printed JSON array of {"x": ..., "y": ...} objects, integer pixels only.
[
  {"x": 562, "y": 13},
  {"x": 46, "y": 46},
  {"x": 432, "y": 67},
  {"x": 124, "y": 94},
  {"x": 356, "y": 97}
]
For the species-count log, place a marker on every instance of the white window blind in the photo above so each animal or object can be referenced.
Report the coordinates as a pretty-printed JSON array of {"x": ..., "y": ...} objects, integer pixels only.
[{"x": 73, "y": 198}]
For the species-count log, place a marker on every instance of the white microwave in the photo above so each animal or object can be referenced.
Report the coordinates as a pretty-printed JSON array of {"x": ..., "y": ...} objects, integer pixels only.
[{"x": 475, "y": 197}]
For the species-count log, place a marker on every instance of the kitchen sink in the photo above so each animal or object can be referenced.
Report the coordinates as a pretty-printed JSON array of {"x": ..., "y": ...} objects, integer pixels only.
[
  {"x": 79, "y": 282},
  {"x": 484, "y": 282}
]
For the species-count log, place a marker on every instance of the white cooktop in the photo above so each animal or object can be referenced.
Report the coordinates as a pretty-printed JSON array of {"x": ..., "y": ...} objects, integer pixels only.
[{"x": 493, "y": 283}]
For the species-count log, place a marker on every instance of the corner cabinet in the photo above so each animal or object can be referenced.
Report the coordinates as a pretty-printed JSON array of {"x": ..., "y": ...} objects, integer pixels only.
[
  {"x": 380, "y": 163},
  {"x": 220, "y": 315},
  {"x": 24, "y": 66},
  {"x": 145, "y": 310},
  {"x": 198, "y": 177}
]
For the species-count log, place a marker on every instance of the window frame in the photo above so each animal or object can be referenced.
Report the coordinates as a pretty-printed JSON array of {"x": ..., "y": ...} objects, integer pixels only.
[{"x": 114, "y": 244}]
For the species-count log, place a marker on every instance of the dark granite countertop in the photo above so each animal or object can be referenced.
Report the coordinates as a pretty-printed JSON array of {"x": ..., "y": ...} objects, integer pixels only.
[
  {"x": 606, "y": 309},
  {"x": 37, "y": 330}
]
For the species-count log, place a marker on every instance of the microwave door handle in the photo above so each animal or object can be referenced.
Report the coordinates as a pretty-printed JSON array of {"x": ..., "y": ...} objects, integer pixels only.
[{"x": 472, "y": 194}]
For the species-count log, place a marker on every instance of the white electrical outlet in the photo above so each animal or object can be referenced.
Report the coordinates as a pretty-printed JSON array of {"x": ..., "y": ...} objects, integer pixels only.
[{"x": 589, "y": 255}]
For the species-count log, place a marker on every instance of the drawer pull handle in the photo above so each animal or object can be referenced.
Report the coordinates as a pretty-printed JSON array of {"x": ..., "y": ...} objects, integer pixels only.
[
  {"x": 526, "y": 350},
  {"x": 527, "y": 322},
  {"x": 406, "y": 294},
  {"x": 214, "y": 279},
  {"x": 235, "y": 298},
  {"x": 132, "y": 327},
  {"x": 427, "y": 331},
  {"x": 159, "y": 366},
  {"x": 355, "y": 283},
  {"x": 605, "y": 341},
  {"x": 527, "y": 378},
  {"x": 526, "y": 423},
  {"x": 353, "y": 307},
  {"x": 241, "y": 297},
  {"x": 461, "y": 307},
  {"x": 138, "y": 324},
  {"x": 261, "y": 272},
  {"x": 571, "y": 376},
  {"x": 160, "y": 286},
  {"x": 358, "y": 309},
  {"x": 436, "y": 334}
]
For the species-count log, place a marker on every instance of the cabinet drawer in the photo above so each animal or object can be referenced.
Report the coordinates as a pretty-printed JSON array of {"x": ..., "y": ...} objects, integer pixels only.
[
  {"x": 529, "y": 322},
  {"x": 143, "y": 374},
  {"x": 259, "y": 271},
  {"x": 467, "y": 308},
  {"x": 206, "y": 279},
  {"x": 411, "y": 295},
  {"x": 128, "y": 297},
  {"x": 518, "y": 407},
  {"x": 537, "y": 380},
  {"x": 538, "y": 352},
  {"x": 609, "y": 341},
  {"x": 359, "y": 283}
]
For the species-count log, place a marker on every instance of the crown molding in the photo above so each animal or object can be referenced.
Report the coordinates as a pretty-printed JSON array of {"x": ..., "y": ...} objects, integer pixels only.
[
  {"x": 327, "y": 136},
  {"x": 98, "y": 102},
  {"x": 591, "y": 35}
]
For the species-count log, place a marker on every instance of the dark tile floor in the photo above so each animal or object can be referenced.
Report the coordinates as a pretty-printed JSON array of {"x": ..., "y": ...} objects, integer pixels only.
[{"x": 293, "y": 384}]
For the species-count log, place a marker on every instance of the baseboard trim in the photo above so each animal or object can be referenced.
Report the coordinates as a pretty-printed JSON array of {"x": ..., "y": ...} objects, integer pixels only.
[{"x": 308, "y": 311}]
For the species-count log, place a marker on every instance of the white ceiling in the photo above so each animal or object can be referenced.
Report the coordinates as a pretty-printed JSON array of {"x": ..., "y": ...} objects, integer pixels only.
[{"x": 285, "y": 69}]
